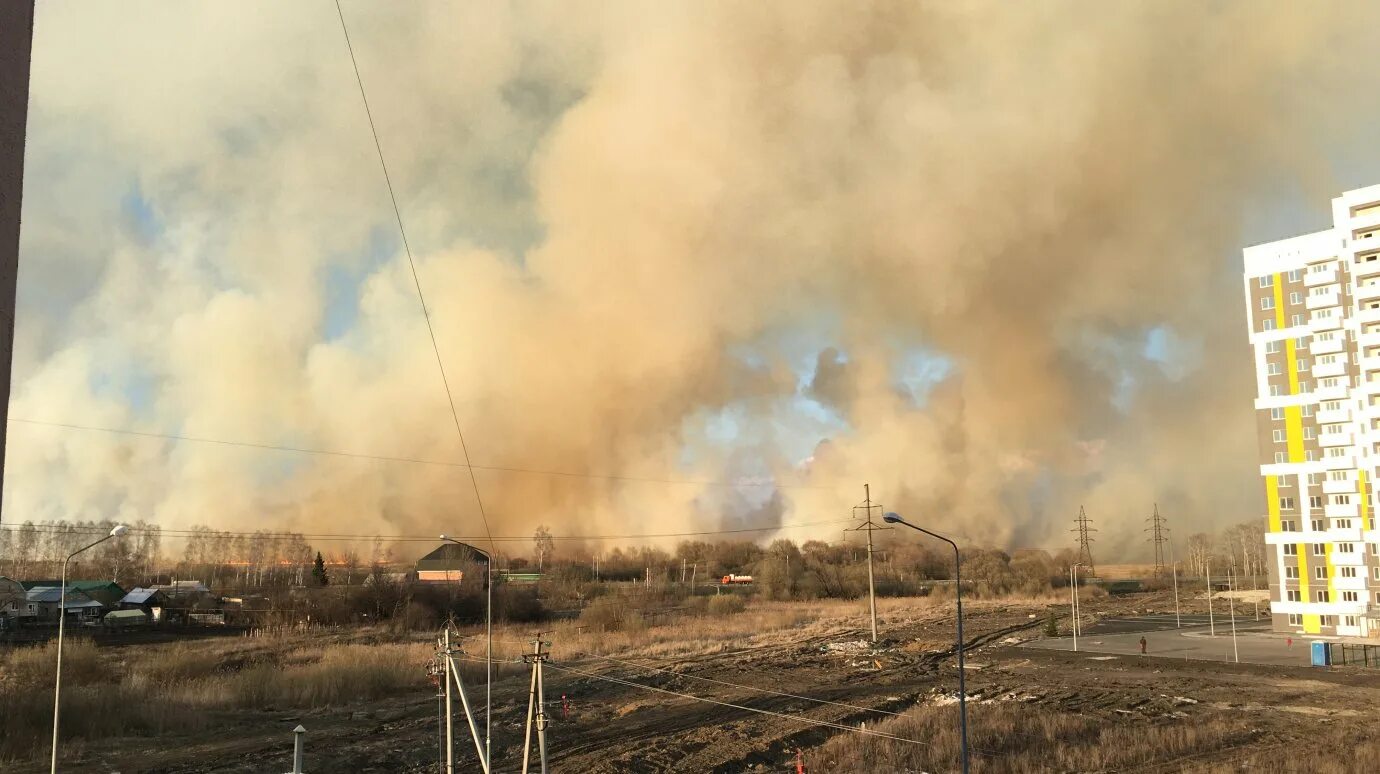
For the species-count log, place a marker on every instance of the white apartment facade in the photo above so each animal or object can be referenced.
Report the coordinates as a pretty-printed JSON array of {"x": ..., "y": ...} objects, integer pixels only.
[{"x": 1313, "y": 307}]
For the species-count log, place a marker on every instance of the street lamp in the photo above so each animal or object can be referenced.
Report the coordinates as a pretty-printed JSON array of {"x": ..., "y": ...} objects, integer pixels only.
[
  {"x": 893, "y": 518},
  {"x": 488, "y": 647},
  {"x": 117, "y": 531}
]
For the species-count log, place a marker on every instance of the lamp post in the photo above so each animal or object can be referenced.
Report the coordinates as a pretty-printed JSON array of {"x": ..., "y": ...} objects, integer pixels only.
[
  {"x": 1073, "y": 608},
  {"x": 488, "y": 647},
  {"x": 893, "y": 518},
  {"x": 117, "y": 531}
]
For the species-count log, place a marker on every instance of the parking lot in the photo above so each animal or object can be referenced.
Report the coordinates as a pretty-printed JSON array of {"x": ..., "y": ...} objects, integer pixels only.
[{"x": 1254, "y": 643}]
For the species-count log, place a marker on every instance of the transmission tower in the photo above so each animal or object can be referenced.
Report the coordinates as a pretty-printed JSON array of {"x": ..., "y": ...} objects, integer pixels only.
[
  {"x": 1157, "y": 530},
  {"x": 1084, "y": 542}
]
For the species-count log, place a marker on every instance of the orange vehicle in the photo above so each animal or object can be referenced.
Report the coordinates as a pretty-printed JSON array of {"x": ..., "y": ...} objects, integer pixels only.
[{"x": 732, "y": 579}]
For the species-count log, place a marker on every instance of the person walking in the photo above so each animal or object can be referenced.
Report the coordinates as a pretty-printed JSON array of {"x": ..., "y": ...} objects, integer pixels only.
[{"x": 1142, "y": 646}]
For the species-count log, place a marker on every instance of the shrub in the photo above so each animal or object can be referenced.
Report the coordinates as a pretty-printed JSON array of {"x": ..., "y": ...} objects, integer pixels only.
[{"x": 726, "y": 604}]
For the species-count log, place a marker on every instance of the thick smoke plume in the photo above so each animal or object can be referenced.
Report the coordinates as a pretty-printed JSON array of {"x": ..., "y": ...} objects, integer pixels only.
[{"x": 638, "y": 224}]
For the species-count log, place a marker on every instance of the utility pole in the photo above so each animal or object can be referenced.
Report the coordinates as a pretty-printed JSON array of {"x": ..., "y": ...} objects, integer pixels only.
[
  {"x": 869, "y": 526},
  {"x": 1174, "y": 569},
  {"x": 1084, "y": 542},
  {"x": 1212, "y": 624},
  {"x": 536, "y": 704},
  {"x": 1157, "y": 531},
  {"x": 1231, "y": 601}
]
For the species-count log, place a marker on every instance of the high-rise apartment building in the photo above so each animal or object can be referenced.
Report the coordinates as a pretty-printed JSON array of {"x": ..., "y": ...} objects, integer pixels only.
[{"x": 1313, "y": 304}]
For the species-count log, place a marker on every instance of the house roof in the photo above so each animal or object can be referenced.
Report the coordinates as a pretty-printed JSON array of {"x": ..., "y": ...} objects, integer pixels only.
[
  {"x": 126, "y": 615},
  {"x": 76, "y": 598},
  {"x": 80, "y": 585},
  {"x": 182, "y": 587},
  {"x": 139, "y": 596},
  {"x": 451, "y": 556}
]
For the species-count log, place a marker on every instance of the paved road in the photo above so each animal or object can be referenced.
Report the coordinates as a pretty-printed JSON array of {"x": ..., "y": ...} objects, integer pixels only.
[
  {"x": 1253, "y": 641},
  {"x": 1163, "y": 621}
]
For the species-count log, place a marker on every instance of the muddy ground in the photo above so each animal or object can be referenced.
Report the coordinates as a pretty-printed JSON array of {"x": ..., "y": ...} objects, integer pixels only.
[{"x": 607, "y": 726}]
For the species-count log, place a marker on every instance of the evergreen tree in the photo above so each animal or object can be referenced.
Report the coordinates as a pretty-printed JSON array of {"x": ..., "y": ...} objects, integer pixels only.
[{"x": 318, "y": 571}]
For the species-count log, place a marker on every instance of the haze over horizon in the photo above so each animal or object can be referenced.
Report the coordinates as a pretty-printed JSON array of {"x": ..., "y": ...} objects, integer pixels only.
[{"x": 983, "y": 256}]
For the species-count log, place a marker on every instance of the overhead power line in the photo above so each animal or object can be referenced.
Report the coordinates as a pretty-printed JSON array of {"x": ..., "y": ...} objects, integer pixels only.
[
  {"x": 782, "y": 715},
  {"x": 744, "y": 687},
  {"x": 412, "y": 264},
  {"x": 738, "y": 484}
]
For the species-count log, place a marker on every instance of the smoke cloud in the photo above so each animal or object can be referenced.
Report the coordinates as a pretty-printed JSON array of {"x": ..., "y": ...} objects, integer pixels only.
[{"x": 984, "y": 256}]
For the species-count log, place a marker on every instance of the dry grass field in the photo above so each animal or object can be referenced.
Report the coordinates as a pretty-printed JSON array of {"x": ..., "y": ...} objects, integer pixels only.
[{"x": 228, "y": 704}]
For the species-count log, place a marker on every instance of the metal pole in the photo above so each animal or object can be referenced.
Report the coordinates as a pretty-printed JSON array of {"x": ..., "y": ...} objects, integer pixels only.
[
  {"x": 440, "y": 732},
  {"x": 489, "y": 666},
  {"x": 527, "y": 735},
  {"x": 1231, "y": 601},
  {"x": 469, "y": 716},
  {"x": 962, "y": 689},
  {"x": 297, "y": 749},
  {"x": 62, "y": 621},
  {"x": 1073, "y": 607},
  {"x": 57, "y": 679},
  {"x": 541, "y": 709},
  {"x": 1174, "y": 569},
  {"x": 450, "y": 712},
  {"x": 1212, "y": 623},
  {"x": 871, "y": 587}
]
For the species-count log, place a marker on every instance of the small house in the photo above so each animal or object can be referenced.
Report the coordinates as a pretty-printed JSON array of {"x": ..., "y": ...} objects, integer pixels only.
[
  {"x": 148, "y": 601},
  {"x": 12, "y": 595},
  {"x": 106, "y": 592},
  {"x": 41, "y": 605},
  {"x": 125, "y": 619},
  {"x": 448, "y": 563}
]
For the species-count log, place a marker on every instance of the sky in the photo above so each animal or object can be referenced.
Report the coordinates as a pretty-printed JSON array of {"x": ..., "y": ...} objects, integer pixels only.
[{"x": 983, "y": 257}]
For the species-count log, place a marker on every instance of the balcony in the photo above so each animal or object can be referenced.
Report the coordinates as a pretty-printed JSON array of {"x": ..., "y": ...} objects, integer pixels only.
[
  {"x": 1370, "y": 363},
  {"x": 1334, "y": 321},
  {"x": 1345, "y": 486},
  {"x": 1329, "y": 275},
  {"x": 1343, "y": 438},
  {"x": 1329, "y": 346},
  {"x": 1368, "y": 290},
  {"x": 1364, "y": 339},
  {"x": 1365, "y": 266},
  {"x": 1339, "y": 463},
  {"x": 1336, "y": 368},
  {"x": 1322, "y": 300},
  {"x": 1367, "y": 316},
  {"x": 1332, "y": 511},
  {"x": 1340, "y": 415}
]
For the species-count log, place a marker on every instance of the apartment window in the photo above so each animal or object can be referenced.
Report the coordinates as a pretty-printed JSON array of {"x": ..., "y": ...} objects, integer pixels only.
[
  {"x": 1267, "y": 281},
  {"x": 1342, "y": 523},
  {"x": 1329, "y": 359},
  {"x": 1336, "y": 451},
  {"x": 1319, "y": 550},
  {"x": 1279, "y": 436},
  {"x": 1291, "y": 573},
  {"x": 1272, "y": 347},
  {"x": 1295, "y": 595},
  {"x": 1327, "y": 620},
  {"x": 1350, "y": 619},
  {"x": 1267, "y": 324},
  {"x": 1341, "y": 499},
  {"x": 1374, "y": 549},
  {"x": 1337, "y": 475},
  {"x": 1332, "y": 405},
  {"x": 1318, "y": 268},
  {"x": 1296, "y": 297},
  {"x": 1267, "y": 303},
  {"x": 1286, "y": 503},
  {"x": 1307, "y": 409},
  {"x": 1292, "y": 549},
  {"x": 1319, "y": 525},
  {"x": 1276, "y": 390},
  {"x": 1276, "y": 413},
  {"x": 1310, "y": 456},
  {"x": 1315, "y": 478},
  {"x": 1331, "y": 381},
  {"x": 1322, "y": 313},
  {"x": 1302, "y": 364},
  {"x": 1301, "y": 342},
  {"x": 1377, "y": 597},
  {"x": 1295, "y": 619},
  {"x": 1315, "y": 502},
  {"x": 1296, "y": 319},
  {"x": 1310, "y": 432},
  {"x": 1286, "y": 526},
  {"x": 1321, "y": 595},
  {"x": 1377, "y": 573},
  {"x": 1295, "y": 275},
  {"x": 1346, "y": 548},
  {"x": 1305, "y": 386},
  {"x": 1347, "y": 572},
  {"x": 1284, "y": 482},
  {"x": 1280, "y": 457},
  {"x": 1320, "y": 290},
  {"x": 1272, "y": 369}
]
